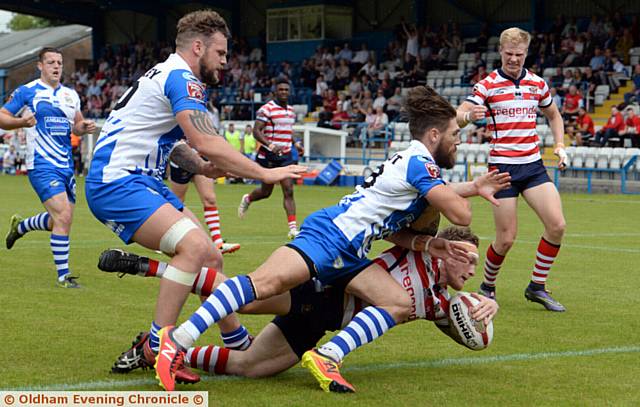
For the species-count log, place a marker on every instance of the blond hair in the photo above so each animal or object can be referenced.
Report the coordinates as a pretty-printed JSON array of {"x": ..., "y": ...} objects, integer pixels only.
[
  {"x": 201, "y": 23},
  {"x": 515, "y": 35}
]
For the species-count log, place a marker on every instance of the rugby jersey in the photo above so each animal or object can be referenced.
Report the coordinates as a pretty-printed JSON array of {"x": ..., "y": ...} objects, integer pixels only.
[
  {"x": 418, "y": 274},
  {"x": 512, "y": 106},
  {"x": 279, "y": 123}
]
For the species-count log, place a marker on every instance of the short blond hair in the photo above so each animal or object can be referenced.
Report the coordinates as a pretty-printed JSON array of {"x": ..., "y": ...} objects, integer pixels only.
[{"x": 515, "y": 35}]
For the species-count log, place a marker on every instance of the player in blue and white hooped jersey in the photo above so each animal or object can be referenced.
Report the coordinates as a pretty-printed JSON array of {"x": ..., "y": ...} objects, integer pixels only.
[
  {"x": 334, "y": 242},
  {"x": 124, "y": 186},
  {"x": 49, "y": 112}
]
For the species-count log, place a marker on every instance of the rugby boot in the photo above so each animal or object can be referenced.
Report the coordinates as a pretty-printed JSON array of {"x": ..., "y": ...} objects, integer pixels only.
[
  {"x": 543, "y": 297},
  {"x": 326, "y": 371},
  {"x": 183, "y": 375},
  {"x": 227, "y": 248},
  {"x": 121, "y": 262},
  {"x": 68, "y": 281},
  {"x": 12, "y": 234},
  {"x": 170, "y": 359},
  {"x": 134, "y": 357},
  {"x": 244, "y": 206},
  {"x": 489, "y": 292}
]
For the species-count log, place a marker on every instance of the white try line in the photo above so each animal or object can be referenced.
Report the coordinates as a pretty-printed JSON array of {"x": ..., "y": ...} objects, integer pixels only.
[
  {"x": 423, "y": 364},
  {"x": 574, "y": 246}
]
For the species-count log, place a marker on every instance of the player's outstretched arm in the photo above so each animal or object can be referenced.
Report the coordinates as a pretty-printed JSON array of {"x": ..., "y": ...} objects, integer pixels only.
[
  {"x": 454, "y": 207},
  {"x": 184, "y": 157},
  {"x": 9, "y": 122},
  {"x": 485, "y": 186},
  {"x": 202, "y": 136}
]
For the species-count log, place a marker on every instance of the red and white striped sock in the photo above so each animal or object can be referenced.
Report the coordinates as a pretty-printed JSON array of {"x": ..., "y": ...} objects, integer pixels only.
[
  {"x": 204, "y": 281},
  {"x": 293, "y": 225},
  {"x": 212, "y": 219},
  {"x": 545, "y": 256},
  {"x": 492, "y": 264},
  {"x": 212, "y": 359}
]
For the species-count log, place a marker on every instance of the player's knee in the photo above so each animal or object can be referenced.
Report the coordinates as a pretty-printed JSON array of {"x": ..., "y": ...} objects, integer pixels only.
[
  {"x": 287, "y": 192},
  {"x": 504, "y": 243},
  {"x": 62, "y": 219},
  {"x": 198, "y": 248},
  {"x": 557, "y": 228},
  {"x": 400, "y": 309},
  {"x": 209, "y": 200}
]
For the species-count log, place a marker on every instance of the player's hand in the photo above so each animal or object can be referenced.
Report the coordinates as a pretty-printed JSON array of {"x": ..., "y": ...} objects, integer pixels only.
[
  {"x": 485, "y": 310},
  {"x": 276, "y": 149},
  {"x": 275, "y": 175},
  {"x": 490, "y": 183},
  {"x": 446, "y": 249},
  {"x": 28, "y": 119},
  {"x": 477, "y": 112},
  {"x": 88, "y": 126},
  {"x": 562, "y": 156}
]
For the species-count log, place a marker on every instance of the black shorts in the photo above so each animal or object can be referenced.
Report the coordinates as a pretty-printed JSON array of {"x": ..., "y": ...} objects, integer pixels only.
[
  {"x": 267, "y": 159},
  {"x": 314, "y": 311},
  {"x": 178, "y": 175},
  {"x": 523, "y": 176}
]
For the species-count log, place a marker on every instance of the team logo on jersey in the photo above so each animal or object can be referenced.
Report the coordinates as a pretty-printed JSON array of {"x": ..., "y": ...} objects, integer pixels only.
[
  {"x": 533, "y": 89},
  {"x": 189, "y": 76},
  {"x": 338, "y": 263},
  {"x": 68, "y": 99},
  {"x": 433, "y": 170},
  {"x": 54, "y": 183},
  {"x": 195, "y": 90}
]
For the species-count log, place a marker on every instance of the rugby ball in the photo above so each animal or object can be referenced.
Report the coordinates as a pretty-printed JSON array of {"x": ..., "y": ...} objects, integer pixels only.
[
  {"x": 428, "y": 222},
  {"x": 471, "y": 333}
]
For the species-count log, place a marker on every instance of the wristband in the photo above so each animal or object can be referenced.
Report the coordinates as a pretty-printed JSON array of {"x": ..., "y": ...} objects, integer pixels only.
[
  {"x": 467, "y": 117},
  {"x": 413, "y": 243},
  {"x": 426, "y": 245}
]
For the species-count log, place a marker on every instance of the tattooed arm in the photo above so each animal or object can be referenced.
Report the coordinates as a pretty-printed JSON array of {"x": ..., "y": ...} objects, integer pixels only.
[
  {"x": 199, "y": 130},
  {"x": 184, "y": 157}
]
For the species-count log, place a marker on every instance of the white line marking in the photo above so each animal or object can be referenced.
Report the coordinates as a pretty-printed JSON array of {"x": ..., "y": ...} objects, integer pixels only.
[
  {"x": 424, "y": 364},
  {"x": 574, "y": 246}
]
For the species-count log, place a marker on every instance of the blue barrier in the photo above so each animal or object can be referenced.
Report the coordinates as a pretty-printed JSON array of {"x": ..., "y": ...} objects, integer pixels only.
[{"x": 622, "y": 171}]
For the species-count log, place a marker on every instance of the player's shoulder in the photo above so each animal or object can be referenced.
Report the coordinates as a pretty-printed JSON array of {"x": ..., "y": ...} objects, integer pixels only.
[{"x": 534, "y": 78}]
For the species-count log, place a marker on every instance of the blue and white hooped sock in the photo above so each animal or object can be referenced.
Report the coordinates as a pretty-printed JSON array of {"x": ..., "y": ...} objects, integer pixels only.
[
  {"x": 36, "y": 222},
  {"x": 60, "y": 250},
  {"x": 226, "y": 299},
  {"x": 237, "y": 339},
  {"x": 154, "y": 339},
  {"x": 366, "y": 326}
]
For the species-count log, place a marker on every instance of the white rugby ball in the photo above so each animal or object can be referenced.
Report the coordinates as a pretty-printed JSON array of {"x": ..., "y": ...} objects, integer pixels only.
[{"x": 473, "y": 334}]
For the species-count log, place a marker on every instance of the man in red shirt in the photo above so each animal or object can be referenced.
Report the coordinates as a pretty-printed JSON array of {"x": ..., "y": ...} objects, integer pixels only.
[
  {"x": 614, "y": 126},
  {"x": 633, "y": 126},
  {"x": 584, "y": 129},
  {"x": 572, "y": 102}
]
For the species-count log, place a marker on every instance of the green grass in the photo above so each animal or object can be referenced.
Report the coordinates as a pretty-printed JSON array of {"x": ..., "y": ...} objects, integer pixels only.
[{"x": 68, "y": 339}]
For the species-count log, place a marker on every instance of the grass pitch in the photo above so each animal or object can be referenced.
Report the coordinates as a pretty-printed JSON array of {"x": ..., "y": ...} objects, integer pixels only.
[{"x": 56, "y": 339}]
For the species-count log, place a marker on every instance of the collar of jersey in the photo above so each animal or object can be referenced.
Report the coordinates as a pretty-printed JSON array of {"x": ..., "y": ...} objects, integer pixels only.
[
  {"x": 422, "y": 149},
  {"x": 47, "y": 86},
  {"x": 512, "y": 79}
]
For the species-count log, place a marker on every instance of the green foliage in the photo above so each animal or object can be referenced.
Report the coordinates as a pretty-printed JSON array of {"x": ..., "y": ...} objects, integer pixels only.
[
  {"x": 21, "y": 22},
  {"x": 67, "y": 339}
]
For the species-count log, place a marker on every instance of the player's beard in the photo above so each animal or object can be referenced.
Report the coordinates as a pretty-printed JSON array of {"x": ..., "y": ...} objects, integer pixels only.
[
  {"x": 208, "y": 76},
  {"x": 443, "y": 158}
]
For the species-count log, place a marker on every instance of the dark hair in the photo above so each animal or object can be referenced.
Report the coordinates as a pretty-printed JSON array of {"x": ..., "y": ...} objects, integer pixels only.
[
  {"x": 426, "y": 109},
  {"x": 200, "y": 23},
  {"x": 45, "y": 50},
  {"x": 281, "y": 81},
  {"x": 460, "y": 234}
]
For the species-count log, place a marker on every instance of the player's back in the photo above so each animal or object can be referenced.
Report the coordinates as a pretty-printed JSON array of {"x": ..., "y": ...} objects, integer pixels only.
[
  {"x": 388, "y": 200},
  {"x": 142, "y": 128}
]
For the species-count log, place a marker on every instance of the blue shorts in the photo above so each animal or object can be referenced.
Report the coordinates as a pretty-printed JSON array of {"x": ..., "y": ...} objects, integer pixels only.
[
  {"x": 48, "y": 181},
  {"x": 125, "y": 204},
  {"x": 326, "y": 250},
  {"x": 272, "y": 160},
  {"x": 523, "y": 176}
]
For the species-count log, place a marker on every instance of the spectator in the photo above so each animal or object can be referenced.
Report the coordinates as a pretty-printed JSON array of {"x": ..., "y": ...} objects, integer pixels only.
[
  {"x": 597, "y": 61},
  {"x": 369, "y": 68},
  {"x": 342, "y": 74},
  {"x": 377, "y": 125},
  {"x": 345, "y": 53},
  {"x": 93, "y": 89},
  {"x": 361, "y": 57},
  {"x": 255, "y": 55},
  {"x": 634, "y": 95},
  {"x": 572, "y": 102},
  {"x": 355, "y": 87},
  {"x": 234, "y": 137},
  {"x": 557, "y": 100},
  {"x": 412, "y": 48},
  {"x": 330, "y": 101},
  {"x": 248, "y": 143},
  {"x": 380, "y": 100},
  {"x": 583, "y": 131},
  {"x": 479, "y": 75},
  {"x": 340, "y": 117},
  {"x": 612, "y": 129},
  {"x": 9, "y": 161},
  {"x": 394, "y": 104},
  {"x": 632, "y": 129}
]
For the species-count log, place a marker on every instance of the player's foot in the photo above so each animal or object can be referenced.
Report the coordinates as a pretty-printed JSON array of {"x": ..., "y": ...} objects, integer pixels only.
[
  {"x": 487, "y": 291},
  {"x": 293, "y": 233},
  {"x": 226, "y": 248},
  {"x": 244, "y": 206},
  {"x": 543, "y": 297},
  {"x": 68, "y": 281},
  {"x": 119, "y": 261},
  {"x": 326, "y": 371},
  {"x": 183, "y": 375},
  {"x": 170, "y": 359},
  {"x": 12, "y": 234},
  {"x": 134, "y": 357}
]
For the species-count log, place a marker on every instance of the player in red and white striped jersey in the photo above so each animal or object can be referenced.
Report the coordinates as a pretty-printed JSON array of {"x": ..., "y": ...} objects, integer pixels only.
[
  {"x": 509, "y": 98},
  {"x": 274, "y": 131},
  {"x": 306, "y": 312}
]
